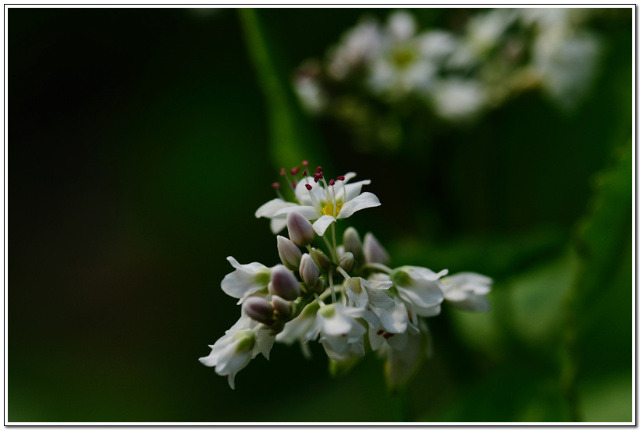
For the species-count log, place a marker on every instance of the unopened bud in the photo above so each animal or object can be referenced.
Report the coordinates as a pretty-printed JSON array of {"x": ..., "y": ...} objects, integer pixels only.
[
  {"x": 346, "y": 261},
  {"x": 321, "y": 259},
  {"x": 309, "y": 271},
  {"x": 282, "y": 308},
  {"x": 373, "y": 251},
  {"x": 300, "y": 229},
  {"x": 352, "y": 243},
  {"x": 321, "y": 285},
  {"x": 289, "y": 253},
  {"x": 258, "y": 309},
  {"x": 283, "y": 283}
]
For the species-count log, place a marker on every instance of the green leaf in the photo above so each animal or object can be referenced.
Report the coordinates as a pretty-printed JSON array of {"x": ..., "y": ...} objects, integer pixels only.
[{"x": 598, "y": 343}]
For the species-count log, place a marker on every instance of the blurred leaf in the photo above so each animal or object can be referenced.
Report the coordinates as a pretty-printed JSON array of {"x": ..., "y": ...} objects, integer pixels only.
[
  {"x": 599, "y": 337},
  {"x": 292, "y": 137}
]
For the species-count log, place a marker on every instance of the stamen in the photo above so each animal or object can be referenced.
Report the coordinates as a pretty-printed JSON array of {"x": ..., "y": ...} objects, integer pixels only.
[
  {"x": 283, "y": 172},
  {"x": 340, "y": 178},
  {"x": 293, "y": 185},
  {"x": 316, "y": 205},
  {"x": 319, "y": 169},
  {"x": 332, "y": 182},
  {"x": 308, "y": 187},
  {"x": 304, "y": 172},
  {"x": 305, "y": 163},
  {"x": 294, "y": 171},
  {"x": 276, "y": 185}
]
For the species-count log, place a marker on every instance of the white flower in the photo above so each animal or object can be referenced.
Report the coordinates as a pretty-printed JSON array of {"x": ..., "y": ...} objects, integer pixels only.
[
  {"x": 340, "y": 334},
  {"x": 247, "y": 279},
  {"x": 242, "y": 342},
  {"x": 419, "y": 289},
  {"x": 403, "y": 66},
  {"x": 467, "y": 290},
  {"x": 567, "y": 62},
  {"x": 380, "y": 310},
  {"x": 458, "y": 99},
  {"x": 403, "y": 362},
  {"x": 298, "y": 328},
  {"x": 485, "y": 30},
  {"x": 322, "y": 202},
  {"x": 358, "y": 46},
  {"x": 381, "y": 338},
  {"x": 310, "y": 93}
]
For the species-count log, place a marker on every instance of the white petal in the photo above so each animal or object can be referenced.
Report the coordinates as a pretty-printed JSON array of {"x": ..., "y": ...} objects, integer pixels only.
[
  {"x": 309, "y": 212},
  {"x": 271, "y": 207},
  {"x": 304, "y": 195},
  {"x": 422, "y": 294},
  {"x": 277, "y": 224},
  {"x": 321, "y": 225},
  {"x": 351, "y": 190},
  {"x": 363, "y": 201}
]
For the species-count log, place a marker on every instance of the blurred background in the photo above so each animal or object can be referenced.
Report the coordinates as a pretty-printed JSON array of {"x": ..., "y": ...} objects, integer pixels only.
[{"x": 142, "y": 141}]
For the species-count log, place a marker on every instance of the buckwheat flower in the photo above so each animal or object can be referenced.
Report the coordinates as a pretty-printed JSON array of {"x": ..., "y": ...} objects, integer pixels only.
[
  {"x": 241, "y": 343},
  {"x": 567, "y": 61},
  {"x": 357, "y": 47},
  {"x": 380, "y": 337},
  {"x": 380, "y": 310},
  {"x": 458, "y": 99},
  {"x": 402, "y": 67},
  {"x": 467, "y": 291},
  {"x": 419, "y": 289},
  {"x": 298, "y": 328},
  {"x": 327, "y": 202},
  {"x": 403, "y": 362},
  {"x": 247, "y": 279},
  {"x": 340, "y": 333}
]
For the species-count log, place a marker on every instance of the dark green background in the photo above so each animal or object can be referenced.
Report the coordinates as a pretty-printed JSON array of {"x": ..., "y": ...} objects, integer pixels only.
[{"x": 140, "y": 147}]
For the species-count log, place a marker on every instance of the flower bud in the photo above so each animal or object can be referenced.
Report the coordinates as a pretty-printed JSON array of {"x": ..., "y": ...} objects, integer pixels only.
[
  {"x": 300, "y": 229},
  {"x": 258, "y": 309},
  {"x": 352, "y": 243},
  {"x": 283, "y": 283},
  {"x": 321, "y": 285},
  {"x": 373, "y": 251},
  {"x": 321, "y": 259},
  {"x": 309, "y": 271},
  {"x": 289, "y": 253},
  {"x": 283, "y": 308},
  {"x": 346, "y": 261}
]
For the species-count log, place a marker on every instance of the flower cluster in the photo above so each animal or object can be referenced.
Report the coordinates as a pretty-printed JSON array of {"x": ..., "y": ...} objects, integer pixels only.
[
  {"x": 453, "y": 75},
  {"x": 346, "y": 296}
]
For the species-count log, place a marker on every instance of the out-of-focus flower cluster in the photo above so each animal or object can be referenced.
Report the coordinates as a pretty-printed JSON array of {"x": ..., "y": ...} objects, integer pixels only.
[
  {"x": 378, "y": 75},
  {"x": 345, "y": 296}
]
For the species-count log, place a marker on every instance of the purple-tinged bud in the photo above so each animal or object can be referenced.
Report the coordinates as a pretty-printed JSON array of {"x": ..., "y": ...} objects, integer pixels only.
[
  {"x": 283, "y": 283},
  {"x": 289, "y": 253},
  {"x": 309, "y": 271},
  {"x": 352, "y": 243},
  {"x": 283, "y": 308},
  {"x": 373, "y": 251},
  {"x": 346, "y": 261},
  {"x": 300, "y": 229},
  {"x": 321, "y": 259},
  {"x": 258, "y": 309}
]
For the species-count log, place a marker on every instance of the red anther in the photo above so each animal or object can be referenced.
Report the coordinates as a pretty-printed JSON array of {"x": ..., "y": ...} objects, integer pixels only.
[
  {"x": 295, "y": 171},
  {"x": 304, "y": 172},
  {"x": 332, "y": 182},
  {"x": 387, "y": 335},
  {"x": 305, "y": 163},
  {"x": 276, "y": 185},
  {"x": 293, "y": 185},
  {"x": 379, "y": 332},
  {"x": 283, "y": 172},
  {"x": 316, "y": 178},
  {"x": 319, "y": 169},
  {"x": 340, "y": 178},
  {"x": 308, "y": 187}
]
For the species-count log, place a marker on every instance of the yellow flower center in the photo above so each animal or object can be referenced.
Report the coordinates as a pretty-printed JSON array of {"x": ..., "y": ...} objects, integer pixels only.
[{"x": 328, "y": 208}]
